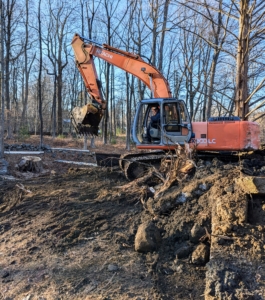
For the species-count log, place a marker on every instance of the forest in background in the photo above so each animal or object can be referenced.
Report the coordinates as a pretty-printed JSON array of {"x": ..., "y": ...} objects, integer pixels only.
[{"x": 211, "y": 52}]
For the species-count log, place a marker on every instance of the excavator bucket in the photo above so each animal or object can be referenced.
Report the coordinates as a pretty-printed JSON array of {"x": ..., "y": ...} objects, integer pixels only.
[{"x": 86, "y": 119}]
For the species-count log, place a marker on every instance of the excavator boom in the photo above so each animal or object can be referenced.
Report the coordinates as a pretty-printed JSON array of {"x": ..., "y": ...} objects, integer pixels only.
[
  {"x": 129, "y": 62},
  {"x": 87, "y": 118}
]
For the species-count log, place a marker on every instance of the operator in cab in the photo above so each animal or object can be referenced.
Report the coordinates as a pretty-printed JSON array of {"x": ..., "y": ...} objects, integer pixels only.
[{"x": 154, "y": 122}]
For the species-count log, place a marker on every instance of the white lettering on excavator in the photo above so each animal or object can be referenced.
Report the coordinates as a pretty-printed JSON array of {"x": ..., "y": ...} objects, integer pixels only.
[
  {"x": 103, "y": 53},
  {"x": 205, "y": 141}
]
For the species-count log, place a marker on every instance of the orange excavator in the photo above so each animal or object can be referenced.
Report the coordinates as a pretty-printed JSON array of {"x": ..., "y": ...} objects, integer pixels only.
[{"x": 174, "y": 126}]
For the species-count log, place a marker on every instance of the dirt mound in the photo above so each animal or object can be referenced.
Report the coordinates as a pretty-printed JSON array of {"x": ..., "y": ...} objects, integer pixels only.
[{"x": 71, "y": 234}]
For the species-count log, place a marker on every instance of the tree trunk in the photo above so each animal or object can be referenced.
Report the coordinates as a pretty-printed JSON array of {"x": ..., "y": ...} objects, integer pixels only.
[
  {"x": 128, "y": 113},
  {"x": 111, "y": 102},
  {"x": 54, "y": 118},
  {"x": 26, "y": 75},
  {"x": 40, "y": 75},
  {"x": 204, "y": 98},
  {"x": 211, "y": 84},
  {"x": 216, "y": 53},
  {"x": 59, "y": 108},
  {"x": 106, "y": 117},
  {"x": 106, "y": 114},
  {"x": 162, "y": 39},
  {"x": 154, "y": 16},
  {"x": 15, "y": 100},
  {"x": 2, "y": 98},
  {"x": 242, "y": 108},
  {"x": 8, "y": 27}
]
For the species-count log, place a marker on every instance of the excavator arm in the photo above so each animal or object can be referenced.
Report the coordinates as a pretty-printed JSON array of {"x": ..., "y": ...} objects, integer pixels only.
[
  {"x": 87, "y": 118},
  {"x": 86, "y": 66}
]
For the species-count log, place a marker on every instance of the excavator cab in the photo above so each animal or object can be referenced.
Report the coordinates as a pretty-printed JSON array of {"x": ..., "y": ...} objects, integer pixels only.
[{"x": 174, "y": 126}]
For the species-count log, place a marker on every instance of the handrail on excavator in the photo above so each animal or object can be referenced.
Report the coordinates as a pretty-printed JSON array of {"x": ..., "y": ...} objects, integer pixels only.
[
  {"x": 108, "y": 47},
  {"x": 90, "y": 40}
]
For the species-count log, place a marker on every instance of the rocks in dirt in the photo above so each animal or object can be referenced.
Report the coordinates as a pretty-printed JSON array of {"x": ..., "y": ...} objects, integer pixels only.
[
  {"x": 147, "y": 238},
  {"x": 174, "y": 196},
  {"x": 196, "y": 233},
  {"x": 28, "y": 297},
  {"x": 229, "y": 189},
  {"x": 252, "y": 185},
  {"x": 113, "y": 268},
  {"x": 200, "y": 256},
  {"x": 179, "y": 269},
  {"x": 4, "y": 273},
  {"x": 183, "y": 197},
  {"x": 183, "y": 250}
]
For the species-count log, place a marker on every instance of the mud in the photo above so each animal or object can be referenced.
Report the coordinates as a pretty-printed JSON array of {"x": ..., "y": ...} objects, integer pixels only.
[{"x": 69, "y": 233}]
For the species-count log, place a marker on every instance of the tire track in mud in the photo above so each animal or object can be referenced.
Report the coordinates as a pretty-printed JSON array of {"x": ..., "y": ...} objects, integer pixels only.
[{"x": 61, "y": 239}]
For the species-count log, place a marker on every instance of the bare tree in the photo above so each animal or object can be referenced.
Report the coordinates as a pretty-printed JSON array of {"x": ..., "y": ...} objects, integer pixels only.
[
  {"x": 110, "y": 11},
  {"x": 249, "y": 33},
  {"x": 110, "y": 8},
  {"x": 217, "y": 45},
  {"x": 2, "y": 101},
  {"x": 88, "y": 18},
  {"x": 137, "y": 35},
  {"x": 52, "y": 50},
  {"x": 190, "y": 66},
  {"x": 163, "y": 32},
  {"x": 57, "y": 51},
  {"x": 12, "y": 17},
  {"x": 157, "y": 15},
  {"x": 40, "y": 74},
  {"x": 27, "y": 66}
]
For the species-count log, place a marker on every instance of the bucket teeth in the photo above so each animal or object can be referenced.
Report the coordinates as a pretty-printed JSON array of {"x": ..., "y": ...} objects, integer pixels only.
[{"x": 86, "y": 130}]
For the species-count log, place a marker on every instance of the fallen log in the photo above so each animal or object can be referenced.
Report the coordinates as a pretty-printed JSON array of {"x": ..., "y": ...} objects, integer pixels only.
[
  {"x": 73, "y": 150},
  {"x": 24, "y": 152},
  {"x": 76, "y": 163}
]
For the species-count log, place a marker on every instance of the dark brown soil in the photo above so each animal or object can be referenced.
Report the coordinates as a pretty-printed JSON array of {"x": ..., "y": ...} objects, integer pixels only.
[{"x": 69, "y": 232}]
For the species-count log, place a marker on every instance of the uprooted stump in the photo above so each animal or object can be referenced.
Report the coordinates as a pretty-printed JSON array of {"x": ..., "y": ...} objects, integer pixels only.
[{"x": 30, "y": 164}]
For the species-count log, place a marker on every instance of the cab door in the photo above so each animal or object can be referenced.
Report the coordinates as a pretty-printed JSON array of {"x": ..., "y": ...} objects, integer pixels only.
[{"x": 176, "y": 124}]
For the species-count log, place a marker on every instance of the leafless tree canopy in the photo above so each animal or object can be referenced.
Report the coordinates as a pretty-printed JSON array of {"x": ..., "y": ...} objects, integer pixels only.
[{"x": 211, "y": 52}]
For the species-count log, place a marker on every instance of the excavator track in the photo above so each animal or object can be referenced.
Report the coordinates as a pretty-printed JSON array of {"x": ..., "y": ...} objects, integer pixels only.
[
  {"x": 137, "y": 156},
  {"x": 138, "y": 165},
  {"x": 135, "y": 165}
]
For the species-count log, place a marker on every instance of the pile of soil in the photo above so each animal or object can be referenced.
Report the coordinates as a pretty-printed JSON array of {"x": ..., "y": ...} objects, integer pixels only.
[{"x": 85, "y": 232}]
